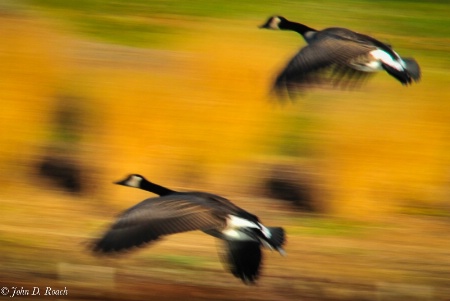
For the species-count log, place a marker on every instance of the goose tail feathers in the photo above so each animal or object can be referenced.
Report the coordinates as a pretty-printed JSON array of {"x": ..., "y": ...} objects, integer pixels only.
[
  {"x": 278, "y": 238},
  {"x": 413, "y": 68}
]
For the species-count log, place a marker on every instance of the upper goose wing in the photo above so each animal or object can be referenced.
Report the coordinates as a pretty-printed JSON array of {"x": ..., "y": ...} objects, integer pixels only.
[
  {"x": 155, "y": 217},
  {"x": 306, "y": 67}
]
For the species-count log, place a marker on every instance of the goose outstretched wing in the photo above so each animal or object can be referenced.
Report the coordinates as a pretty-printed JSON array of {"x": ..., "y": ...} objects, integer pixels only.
[
  {"x": 156, "y": 217},
  {"x": 329, "y": 54}
]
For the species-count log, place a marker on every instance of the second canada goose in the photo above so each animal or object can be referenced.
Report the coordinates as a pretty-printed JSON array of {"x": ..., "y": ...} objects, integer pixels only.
[
  {"x": 341, "y": 52},
  {"x": 175, "y": 212}
]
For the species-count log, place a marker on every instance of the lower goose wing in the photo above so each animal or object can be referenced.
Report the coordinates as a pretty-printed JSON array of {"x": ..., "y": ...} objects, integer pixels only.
[{"x": 243, "y": 259}]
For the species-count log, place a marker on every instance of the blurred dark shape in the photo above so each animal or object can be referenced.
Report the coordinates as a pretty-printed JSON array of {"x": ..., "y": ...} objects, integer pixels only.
[
  {"x": 61, "y": 160},
  {"x": 286, "y": 190},
  {"x": 289, "y": 184},
  {"x": 65, "y": 173}
]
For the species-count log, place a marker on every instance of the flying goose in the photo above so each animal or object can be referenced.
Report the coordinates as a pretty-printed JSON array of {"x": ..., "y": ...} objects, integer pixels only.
[
  {"x": 175, "y": 212},
  {"x": 338, "y": 56}
]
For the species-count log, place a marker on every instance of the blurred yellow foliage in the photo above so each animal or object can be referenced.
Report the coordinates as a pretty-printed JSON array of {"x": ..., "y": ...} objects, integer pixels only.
[
  {"x": 188, "y": 117},
  {"x": 201, "y": 117}
]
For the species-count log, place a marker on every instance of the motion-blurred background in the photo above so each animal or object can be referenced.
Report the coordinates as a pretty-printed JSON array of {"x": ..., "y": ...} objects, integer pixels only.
[{"x": 179, "y": 91}]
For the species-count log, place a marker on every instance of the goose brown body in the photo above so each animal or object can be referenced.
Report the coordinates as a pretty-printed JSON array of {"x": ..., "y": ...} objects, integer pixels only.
[
  {"x": 338, "y": 56},
  {"x": 176, "y": 212}
]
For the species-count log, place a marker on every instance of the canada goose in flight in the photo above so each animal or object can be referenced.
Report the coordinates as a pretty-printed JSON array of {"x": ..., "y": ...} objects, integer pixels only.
[
  {"x": 335, "y": 54},
  {"x": 175, "y": 212}
]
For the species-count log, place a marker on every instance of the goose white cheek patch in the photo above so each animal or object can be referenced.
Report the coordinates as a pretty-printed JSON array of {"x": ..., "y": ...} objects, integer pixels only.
[{"x": 134, "y": 181}]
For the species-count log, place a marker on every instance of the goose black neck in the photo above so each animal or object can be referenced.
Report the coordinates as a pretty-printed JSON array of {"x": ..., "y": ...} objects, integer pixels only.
[
  {"x": 297, "y": 27},
  {"x": 155, "y": 188}
]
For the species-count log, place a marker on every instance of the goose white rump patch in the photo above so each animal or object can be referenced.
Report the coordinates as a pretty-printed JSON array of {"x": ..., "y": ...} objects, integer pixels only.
[
  {"x": 386, "y": 58},
  {"x": 237, "y": 222}
]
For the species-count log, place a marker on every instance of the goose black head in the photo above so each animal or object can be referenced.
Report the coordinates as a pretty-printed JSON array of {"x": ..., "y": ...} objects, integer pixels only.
[
  {"x": 274, "y": 23},
  {"x": 133, "y": 180}
]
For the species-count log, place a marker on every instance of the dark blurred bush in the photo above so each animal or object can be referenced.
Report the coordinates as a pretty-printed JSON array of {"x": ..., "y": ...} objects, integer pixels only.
[
  {"x": 60, "y": 161},
  {"x": 293, "y": 183},
  {"x": 64, "y": 172}
]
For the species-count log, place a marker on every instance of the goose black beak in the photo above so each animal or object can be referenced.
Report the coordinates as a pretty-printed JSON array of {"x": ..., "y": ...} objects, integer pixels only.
[
  {"x": 265, "y": 24},
  {"x": 122, "y": 182}
]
